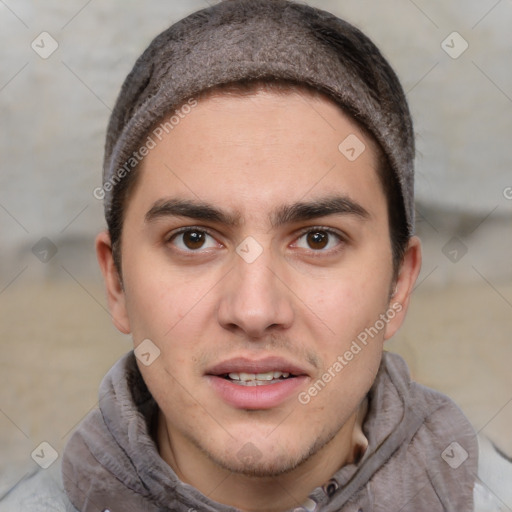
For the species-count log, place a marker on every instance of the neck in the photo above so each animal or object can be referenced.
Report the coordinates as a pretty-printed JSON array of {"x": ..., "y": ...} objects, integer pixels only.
[{"x": 263, "y": 494}]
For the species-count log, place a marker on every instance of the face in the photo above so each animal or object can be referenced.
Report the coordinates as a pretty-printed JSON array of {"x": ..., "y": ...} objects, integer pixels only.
[{"x": 255, "y": 256}]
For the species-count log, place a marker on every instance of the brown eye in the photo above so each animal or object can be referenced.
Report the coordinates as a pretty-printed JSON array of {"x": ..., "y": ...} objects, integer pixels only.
[
  {"x": 194, "y": 239},
  {"x": 317, "y": 239},
  {"x": 320, "y": 240}
]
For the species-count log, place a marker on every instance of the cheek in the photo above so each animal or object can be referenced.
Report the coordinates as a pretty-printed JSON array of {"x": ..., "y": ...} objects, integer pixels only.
[
  {"x": 148, "y": 304},
  {"x": 344, "y": 306},
  {"x": 162, "y": 298}
]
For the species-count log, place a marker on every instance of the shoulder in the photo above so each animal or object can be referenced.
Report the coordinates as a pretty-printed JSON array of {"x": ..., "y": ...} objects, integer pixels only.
[
  {"x": 436, "y": 414},
  {"x": 39, "y": 490},
  {"x": 463, "y": 450},
  {"x": 493, "y": 491}
]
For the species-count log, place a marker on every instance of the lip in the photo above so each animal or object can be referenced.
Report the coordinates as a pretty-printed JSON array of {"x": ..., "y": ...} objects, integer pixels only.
[
  {"x": 246, "y": 365},
  {"x": 256, "y": 397}
]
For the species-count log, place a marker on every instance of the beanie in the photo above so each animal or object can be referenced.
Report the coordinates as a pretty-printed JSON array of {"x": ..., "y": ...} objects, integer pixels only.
[{"x": 239, "y": 40}]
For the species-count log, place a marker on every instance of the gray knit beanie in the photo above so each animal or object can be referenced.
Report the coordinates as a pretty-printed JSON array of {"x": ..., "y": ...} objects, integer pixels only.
[{"x": 239, "y": 40}]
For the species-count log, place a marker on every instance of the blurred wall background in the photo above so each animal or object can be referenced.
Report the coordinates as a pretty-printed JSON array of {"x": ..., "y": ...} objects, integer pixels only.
[
  {"x": 54, "y": 113},
  {"x": 62, "y": 64}
]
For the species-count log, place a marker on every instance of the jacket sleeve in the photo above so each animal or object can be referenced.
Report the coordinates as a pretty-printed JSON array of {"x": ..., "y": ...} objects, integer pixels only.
[
  {"x": 493, "y": 490},
  {"x": 39, "y": 490}
]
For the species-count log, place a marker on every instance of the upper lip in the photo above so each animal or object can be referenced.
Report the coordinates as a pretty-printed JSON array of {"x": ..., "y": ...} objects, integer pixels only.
[{"x": 247, "y": 365}]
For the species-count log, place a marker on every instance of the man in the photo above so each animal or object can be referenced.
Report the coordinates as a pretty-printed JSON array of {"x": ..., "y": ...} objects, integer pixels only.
[{"x": 258, "y": 188}]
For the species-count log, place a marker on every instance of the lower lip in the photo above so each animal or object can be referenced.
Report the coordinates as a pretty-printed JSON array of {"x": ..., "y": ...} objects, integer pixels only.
[{"x": 256, "y": 397}]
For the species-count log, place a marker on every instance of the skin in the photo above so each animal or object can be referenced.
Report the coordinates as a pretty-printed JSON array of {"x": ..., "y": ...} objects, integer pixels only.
[{"x": 251, "y": 156}]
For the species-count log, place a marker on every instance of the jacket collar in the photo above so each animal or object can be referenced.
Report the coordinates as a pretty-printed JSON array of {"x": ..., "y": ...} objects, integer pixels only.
[{"x": 111, "y": 462}]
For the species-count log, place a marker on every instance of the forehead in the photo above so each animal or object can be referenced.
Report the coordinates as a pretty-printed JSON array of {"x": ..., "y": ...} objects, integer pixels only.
[{"x": 255, "y": 148}]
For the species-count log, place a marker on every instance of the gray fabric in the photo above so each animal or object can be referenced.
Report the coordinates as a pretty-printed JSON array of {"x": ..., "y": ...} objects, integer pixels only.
[
  {"x": 40, "y": 490},
  {"x": 262, "y": 39},
  {"x": 111, "y": 462},
  {"x": 493, "y": 491}
]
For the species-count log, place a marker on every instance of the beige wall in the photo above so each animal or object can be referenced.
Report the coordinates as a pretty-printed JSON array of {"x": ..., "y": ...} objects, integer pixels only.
[{"x": 54, "y": 112}]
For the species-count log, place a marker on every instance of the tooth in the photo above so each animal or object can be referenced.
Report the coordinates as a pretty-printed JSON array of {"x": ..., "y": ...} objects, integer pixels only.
[{"x": 257, "y": 379}]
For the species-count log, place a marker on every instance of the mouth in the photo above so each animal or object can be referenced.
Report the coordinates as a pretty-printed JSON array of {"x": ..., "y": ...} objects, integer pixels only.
[
  {"x": 257, "y": 379},
  {"x": 256, "y": 384}
]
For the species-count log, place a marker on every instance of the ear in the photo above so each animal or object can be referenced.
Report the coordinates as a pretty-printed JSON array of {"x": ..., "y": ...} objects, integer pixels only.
[
  {"x": 399, "y": 301},
  {"x": 115, "y": 293}
]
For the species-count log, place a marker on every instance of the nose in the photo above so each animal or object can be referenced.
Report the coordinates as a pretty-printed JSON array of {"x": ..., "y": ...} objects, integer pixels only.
[{"x": 255, "y": 299}]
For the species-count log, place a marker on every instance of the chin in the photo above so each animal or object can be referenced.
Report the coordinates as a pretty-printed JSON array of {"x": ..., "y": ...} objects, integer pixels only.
[
  {"x": 263, "y": 467},
  {"x": 271, "y": 461}
]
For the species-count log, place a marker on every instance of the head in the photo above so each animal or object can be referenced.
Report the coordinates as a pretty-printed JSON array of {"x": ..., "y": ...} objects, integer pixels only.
[{"x": 247, "y": 238}]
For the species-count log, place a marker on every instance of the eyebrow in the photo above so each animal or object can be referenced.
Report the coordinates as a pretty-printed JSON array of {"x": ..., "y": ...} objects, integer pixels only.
[
  {"x": 191, "y": 209},
  {"x": 332, "y": 205},
  {"x": 286, "y": 214}
]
